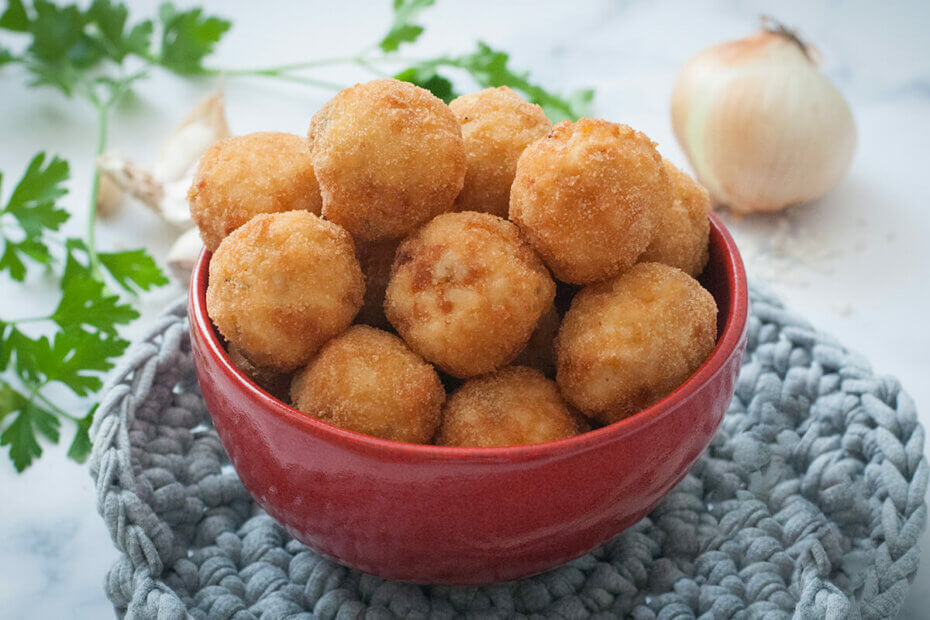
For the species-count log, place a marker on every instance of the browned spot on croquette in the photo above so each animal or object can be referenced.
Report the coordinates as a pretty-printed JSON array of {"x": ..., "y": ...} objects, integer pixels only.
[{"x": 470, "y": 294}]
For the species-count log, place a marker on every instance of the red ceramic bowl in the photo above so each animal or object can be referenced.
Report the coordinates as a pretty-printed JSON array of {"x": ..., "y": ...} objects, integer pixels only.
[{"x": 434, "y": 514}]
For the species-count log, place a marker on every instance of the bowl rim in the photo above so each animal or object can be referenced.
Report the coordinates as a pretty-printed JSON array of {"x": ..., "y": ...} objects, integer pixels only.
[{"x": 734, "y": 330}]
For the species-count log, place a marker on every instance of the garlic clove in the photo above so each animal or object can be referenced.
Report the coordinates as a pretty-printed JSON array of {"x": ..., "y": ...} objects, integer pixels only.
[
  {"x": 204, "y": 125},
  {"x": 164, "y": 189},
  {"x": 174, "y": 207},
  {"x": 109, "y": 197},
  {"x": 762, "y": 127},
  {"x": 126, "y": 175},
  {"x": 183, "y": 254}
]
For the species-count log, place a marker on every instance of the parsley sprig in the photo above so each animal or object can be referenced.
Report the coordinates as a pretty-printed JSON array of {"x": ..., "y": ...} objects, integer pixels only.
[
  {"x": 490, "y": 67},
  {"x": 78, "y": 340},
  {"x": 485, "y": 65},
  {"x": 97, "y": 54}
]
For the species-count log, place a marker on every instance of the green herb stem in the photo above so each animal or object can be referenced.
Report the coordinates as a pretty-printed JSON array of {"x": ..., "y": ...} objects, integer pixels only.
[
  {"x": 300, "y": 79},
  {"x": 286, "y": 71},
  {"x": 286, "y": 68},
  {"x": 103, "y": 116},
  {"x": 366, "y": 64},
  {"x": 55, "y": 408},
  {"x": 103, "y": 111},
  {"x": 28, "y": 319}
]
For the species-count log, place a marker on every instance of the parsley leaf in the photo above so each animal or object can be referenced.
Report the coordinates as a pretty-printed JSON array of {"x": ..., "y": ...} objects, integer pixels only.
[
  {"x": 60, "y": 75},
  {"x": 426, "y": 76},
  {"x": 33, "y": 200},
  {"x": 68, "y": 45},
  {"x": 30, "y": 420},
  {"x": 489, "y": 68},
  {"x": 403, "y": 30},
  {"x": 133, "y": 268},
  {"x": 56, "y": 33},
  {"x": 111, "y": 37},
  {"x": 25, "y": 352},
  {"x": 32, "y": 207},
  {"x": 15, "y": 18},
  {"x": 76, "y": 358},
  {"x": 85, "y": 301},
  {"x": 11, "y": 401},
  {"x": 13, "y": 251},
  {"x": 81, "y": 446},
  {"x": 187, "y": 37}
]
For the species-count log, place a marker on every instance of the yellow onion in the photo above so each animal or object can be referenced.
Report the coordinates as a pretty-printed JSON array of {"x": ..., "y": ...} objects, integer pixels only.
[{"x": 762, "y": 126}]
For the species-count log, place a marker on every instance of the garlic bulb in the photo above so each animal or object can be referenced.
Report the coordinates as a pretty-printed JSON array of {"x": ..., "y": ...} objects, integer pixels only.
[
  {"x": 164, "y": 188},
  {"x": 762, "y": 126}
]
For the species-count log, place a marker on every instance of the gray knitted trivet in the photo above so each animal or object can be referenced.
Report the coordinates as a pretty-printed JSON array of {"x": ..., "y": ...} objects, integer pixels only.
[{"x": 809, "y": 502}]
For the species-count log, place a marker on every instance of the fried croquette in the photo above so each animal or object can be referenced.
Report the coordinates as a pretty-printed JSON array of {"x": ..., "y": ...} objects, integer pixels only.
[
  {"x": 276, "y": 383},
  {"x": 240, "y": 177},
  {"x": 376, "y": 258},
  {"x": 466, "y": 292},
  {"x": 628, "y": 342},
  {"x": 539, "y": 352},
  {"x": 683, "y": 230},
  {"x": 281, "y": 285},
  {"x": 587, "y": 196},
  {"x": 389, "y": 156},
  {"x": 513, "y": 406},
  {"x": 497, "y": 124},
  {"x": 369, "y": 381}
]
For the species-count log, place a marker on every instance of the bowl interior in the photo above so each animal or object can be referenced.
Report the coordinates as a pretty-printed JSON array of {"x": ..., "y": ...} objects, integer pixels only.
[{"x": 724, "y": 277}]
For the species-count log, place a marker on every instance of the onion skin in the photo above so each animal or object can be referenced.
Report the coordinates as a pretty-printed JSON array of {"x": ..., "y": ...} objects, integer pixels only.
[{"x": 761, "y": 125}]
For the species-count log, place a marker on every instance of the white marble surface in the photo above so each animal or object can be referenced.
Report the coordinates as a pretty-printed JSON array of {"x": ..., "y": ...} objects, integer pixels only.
[{"x": 863, "y": 277}]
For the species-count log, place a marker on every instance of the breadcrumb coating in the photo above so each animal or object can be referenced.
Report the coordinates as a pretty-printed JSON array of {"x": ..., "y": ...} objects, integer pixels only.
[
  {"x": 587, "y": 196},
  {"x": 369, "y": 381},
  {"x": 513, "y": 406},
  {"x": 628, "y": 342},
  {"x": 497, "y": 125},
  {"x": 466, "y": 292},
  {"x": 240, "y": 177},
  {"x": 283, "y": 284},
  {"x": 389, "y": 156},
  {"x": 682, "y": 234}
]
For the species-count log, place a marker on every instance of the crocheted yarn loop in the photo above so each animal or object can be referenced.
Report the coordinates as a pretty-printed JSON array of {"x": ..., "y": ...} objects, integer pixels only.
[{"x": 808, "y": 503}]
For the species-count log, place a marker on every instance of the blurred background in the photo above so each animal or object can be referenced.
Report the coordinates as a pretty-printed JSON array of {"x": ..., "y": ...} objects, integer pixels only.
[{"x": 855, "y": 263}]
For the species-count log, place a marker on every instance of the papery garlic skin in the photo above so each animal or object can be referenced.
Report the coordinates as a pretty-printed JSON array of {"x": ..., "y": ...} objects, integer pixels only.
[
  {"x": 183, "y": 254},
  {"x": 203, "y": 126},
  {"x": 762, "y": 126},
  {"x": 164, "y": 188},
  {"x": 109, "y": 197},
  {"x": 118, "y": 170}
]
